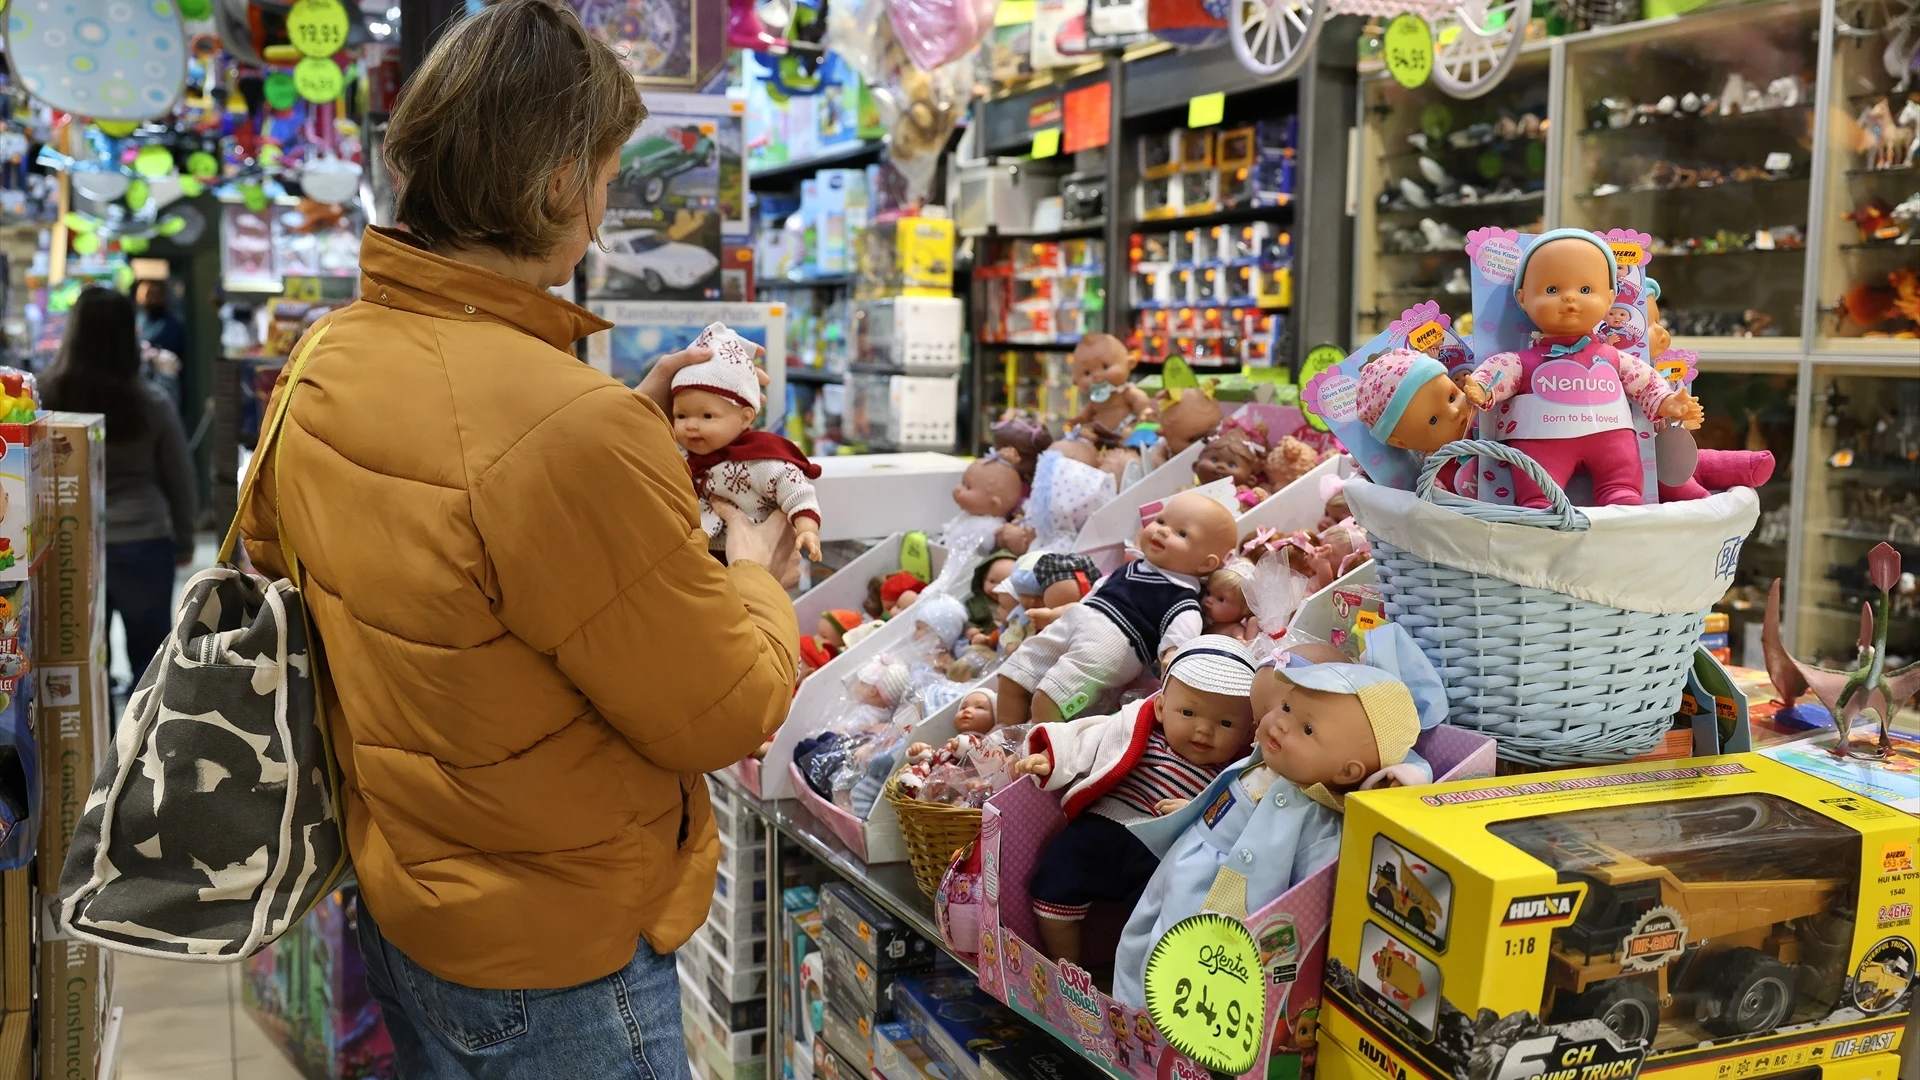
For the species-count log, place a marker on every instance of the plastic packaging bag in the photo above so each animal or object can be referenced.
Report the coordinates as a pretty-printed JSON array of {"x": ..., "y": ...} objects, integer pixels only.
[
  {"x": 937, "y": 32},
  {"x": 918, "y": 107}
]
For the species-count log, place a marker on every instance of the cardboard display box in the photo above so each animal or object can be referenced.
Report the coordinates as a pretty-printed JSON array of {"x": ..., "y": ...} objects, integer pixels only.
[
  {"x": 308, "y": 991},
  {"x": 70, "y": 633},
  {"x": 1695, "y": 920},
  {"x": 76, "y": 992}
]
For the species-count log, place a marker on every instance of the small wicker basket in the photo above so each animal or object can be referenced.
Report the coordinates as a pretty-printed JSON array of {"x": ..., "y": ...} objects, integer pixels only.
[{"x": 933, "y": 831}]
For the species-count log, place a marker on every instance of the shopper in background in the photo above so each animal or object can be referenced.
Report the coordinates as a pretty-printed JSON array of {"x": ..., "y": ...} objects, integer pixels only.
[
  {"x": 530, "y": 656},
  {"x": 150, "y": 481},
  {"x": 164, "y": 337}
]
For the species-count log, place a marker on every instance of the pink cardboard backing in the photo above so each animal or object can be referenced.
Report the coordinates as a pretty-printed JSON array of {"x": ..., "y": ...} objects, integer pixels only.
[
  {"x": 1291, "y": 933},
  {"x": 851, "y": 830}
]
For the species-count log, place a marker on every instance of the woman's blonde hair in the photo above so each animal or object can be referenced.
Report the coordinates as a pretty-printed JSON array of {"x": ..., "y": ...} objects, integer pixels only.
[{"x": 508, "y": 98}]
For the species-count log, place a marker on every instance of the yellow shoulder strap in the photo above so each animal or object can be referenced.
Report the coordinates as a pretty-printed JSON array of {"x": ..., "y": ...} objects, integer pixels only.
[{"x": 269, "y": 443}]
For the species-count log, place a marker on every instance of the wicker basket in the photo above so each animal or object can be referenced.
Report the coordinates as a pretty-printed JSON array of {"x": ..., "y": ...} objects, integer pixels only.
[
  {"x": 933, "y": 831},
  {"x": 1555, "y": 679}
]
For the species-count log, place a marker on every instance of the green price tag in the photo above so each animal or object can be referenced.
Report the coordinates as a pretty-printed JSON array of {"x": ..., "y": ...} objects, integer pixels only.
[
  {"x": 317, "y": 27},
  {"x": 1207, "y": 994},
  {"x": 1046, "y": 142},
  {"x": 1206, "y": 110},
  {"x": 1318, "y": 359},
  {"x": 280, "y": 90},
  {"x": 915, "y": 559},
  {"x": 318, "y": 79},
  {"x": 1408, "y": 50}
]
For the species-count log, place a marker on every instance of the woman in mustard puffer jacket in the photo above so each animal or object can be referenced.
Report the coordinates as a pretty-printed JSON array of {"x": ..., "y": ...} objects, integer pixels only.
[{"x": 531, "y": 656}]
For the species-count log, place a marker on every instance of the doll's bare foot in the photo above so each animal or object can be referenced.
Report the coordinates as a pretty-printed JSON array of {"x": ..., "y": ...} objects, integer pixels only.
[
  {"x": 1012, "y": 704},
  {"x": 1044, "y": 710},
  {"x": 1061, "y": 939}
]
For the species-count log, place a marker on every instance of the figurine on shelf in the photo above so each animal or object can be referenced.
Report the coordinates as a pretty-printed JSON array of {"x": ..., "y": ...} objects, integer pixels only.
[
  {"x": 1869, "y": 692},
  {"x": 1128, "y": 767},
  {"x": 756, "y": 472},
  {"x": 1564, "y": 401},
  {"x": 1063, "y": 579},
  {"x": 989, "y": 492},
  {"x": 890, "y": 594},
  {"x": 1223, "y": 607},
  {"x": 1066, "y": 491},
  {"x": 1408, "y": 401},
  {"x": 1269, "y": 821},
  {"x": 1129, "y": 623},
  {"x": 1102, "y": 366},
  {"x": 987, "y": 607},
  {"x": 829, "y": 638},
  {"x": 1289, "y": 460},
  {"x": 1186, "y": 417}
]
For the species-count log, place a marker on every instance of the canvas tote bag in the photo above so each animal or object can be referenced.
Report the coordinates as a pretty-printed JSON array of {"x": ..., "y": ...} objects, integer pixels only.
[{"x": 212, "y": 826}]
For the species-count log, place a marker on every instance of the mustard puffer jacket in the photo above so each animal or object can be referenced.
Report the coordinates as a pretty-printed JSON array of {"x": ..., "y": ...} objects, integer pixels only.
[{"x": 530, "y": 656}]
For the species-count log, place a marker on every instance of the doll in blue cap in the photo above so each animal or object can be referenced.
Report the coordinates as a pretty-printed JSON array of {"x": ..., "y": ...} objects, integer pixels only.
[{"x": 1273, "y": 818}]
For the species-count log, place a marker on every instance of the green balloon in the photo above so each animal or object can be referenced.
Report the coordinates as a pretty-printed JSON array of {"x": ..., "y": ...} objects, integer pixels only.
[
  {"x": 79, "y": 222},
  {"x": 171, "y": 226},
  {"x": 123, "y": 278},
  {"x": 153, "y": 161},
  {"x": 137, "y": 192},
  {"x": 280, "y": 90},
  {"x": 191, "y": 186},
  {"x": 254, "y": 198},
  {"x": 203, "y": 165},
  {"x": 85, "y": 243},
  {"x": 196, "y": 9},
  {"x": 134, "y": 245}
]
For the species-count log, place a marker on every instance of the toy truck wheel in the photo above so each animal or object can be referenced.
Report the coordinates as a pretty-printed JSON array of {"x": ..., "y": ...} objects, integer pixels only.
[
  {"x": 1384, "y": 897},
  {"x": 1754, "y": 993},
  {"x": 1419, "y": 916},
  {"x": 1626, "y": 1006}
]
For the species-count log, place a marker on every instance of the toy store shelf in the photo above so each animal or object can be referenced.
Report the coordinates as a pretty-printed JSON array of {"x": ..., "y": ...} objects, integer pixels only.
[
  {"x": 822, "y": 281},
  {"x": 1531, "y": 198},
  {"x": 812, "y": 375},
  {"x": 1725, "y": 352},
  {"x": 1686, "y": 126},
  {"x": 1880, "y": 245},
  {"x": 1218, "y": 217},
  {"x": 1093, "y": 227},
  {"x": 1035, "y": 346},
  {"x": 1625, "y": 192},
  {"x": 1719, "y": 254},
  {"x": 1898, "y": 170},
  {"x": 792, "y": 172},
  {"x": 1871, "y": 538},
  {"x": 890, "y": 885}
]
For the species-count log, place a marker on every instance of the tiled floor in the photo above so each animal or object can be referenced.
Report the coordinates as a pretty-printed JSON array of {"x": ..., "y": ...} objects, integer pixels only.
[{"x": 185, "y": 1022}]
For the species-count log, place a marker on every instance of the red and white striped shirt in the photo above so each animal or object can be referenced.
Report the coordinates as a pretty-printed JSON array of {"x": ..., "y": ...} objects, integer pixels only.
[{"x": 1160, "y": 774}]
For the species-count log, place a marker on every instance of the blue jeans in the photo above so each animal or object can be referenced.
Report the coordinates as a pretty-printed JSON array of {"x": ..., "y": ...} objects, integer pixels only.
[
  {"x": 140, "y": 588},
  {"x": 626, "y": 1025}
]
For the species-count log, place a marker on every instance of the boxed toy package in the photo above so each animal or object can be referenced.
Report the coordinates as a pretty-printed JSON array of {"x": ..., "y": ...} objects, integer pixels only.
[{"x": 1709, "y": 918}]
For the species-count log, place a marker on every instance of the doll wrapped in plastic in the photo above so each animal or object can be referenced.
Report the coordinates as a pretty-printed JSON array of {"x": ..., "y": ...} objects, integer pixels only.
[
  {"x": 756, "y": 472},
  {"x": 874, "y": 695},
  {"x": 1273, "y": 818},
  {"x": 1224, "y": 606},
  {"x": 991, "y": 489},
  {"x": 1065, "y": 494},
  {"x": 919, "y": 106},
  {"x": 970, "y": 767}
]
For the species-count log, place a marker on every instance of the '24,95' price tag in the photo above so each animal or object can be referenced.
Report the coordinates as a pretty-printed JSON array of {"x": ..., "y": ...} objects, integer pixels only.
[{"x": 1206, "y": 993}]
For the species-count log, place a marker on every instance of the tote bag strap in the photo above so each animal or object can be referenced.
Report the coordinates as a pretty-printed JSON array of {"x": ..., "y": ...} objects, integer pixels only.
[{"x": 270, "y": 443}]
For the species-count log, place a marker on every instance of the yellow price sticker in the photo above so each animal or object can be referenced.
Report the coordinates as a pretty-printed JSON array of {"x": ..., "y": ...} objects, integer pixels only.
[
  {"x": 1207, "y": 994},
  {"x": 1427, "y": 335},
  {"x": 318, "y": 79},
  {"x": 1627, "y": 254},
  {"x": 1014, "y": 12},
  {"x": 317, "y": 27},
  {"x": 1407, "y": 48},
  {"x": 1206, "y": 110},
  {"x": 915, "y": 558},
  {"x": 1046, "y": 142},
  {"x": 1367, "y": 620}
]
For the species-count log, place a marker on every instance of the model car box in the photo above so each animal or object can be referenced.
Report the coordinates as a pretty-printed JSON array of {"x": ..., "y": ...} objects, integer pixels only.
[
  {"x": 1697, "y": 920},
  {"x": 24, "y": 503},
  {"x": 884, "y": 942},
  {"x": 955, "y": 1021},
  {"x": 1291, "y": 933}
]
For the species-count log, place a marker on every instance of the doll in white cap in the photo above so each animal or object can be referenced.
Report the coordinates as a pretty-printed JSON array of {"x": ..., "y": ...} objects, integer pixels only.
[
  {"x": 1272, "y": 819},
  {"x": 1140, "y": 762},
  {"x": 757, "y": 472}
]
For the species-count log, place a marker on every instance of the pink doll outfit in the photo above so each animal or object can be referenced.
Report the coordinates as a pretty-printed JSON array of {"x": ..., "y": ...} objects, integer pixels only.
[{"x": 1564, "y": 403}]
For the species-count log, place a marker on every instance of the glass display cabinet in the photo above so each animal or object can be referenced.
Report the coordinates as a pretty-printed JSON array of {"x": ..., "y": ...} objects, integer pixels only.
[
  {"x": 1432, "y": 168},
  {"x": 1754, "y": 410},
  {"x": 1700, "y": 132}
]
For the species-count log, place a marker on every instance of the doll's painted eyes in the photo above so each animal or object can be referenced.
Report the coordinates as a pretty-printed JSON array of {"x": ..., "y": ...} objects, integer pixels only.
[
  {"x": 1188, "y": 713},
  {"x": 1552, "y": 289},
  {"x": 1284, "y": 707},
  {"x": 1307, "y": 730},
  {"x": 1433, "y": 421},
  {"x": 1226, "y": 723},
  {"x": 1453, "y": 397},
  {"x": 1585, "y": 289}
]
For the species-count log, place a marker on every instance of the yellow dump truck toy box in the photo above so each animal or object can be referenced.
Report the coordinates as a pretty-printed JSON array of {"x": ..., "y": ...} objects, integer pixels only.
[{"x": 1706, "y": 919}]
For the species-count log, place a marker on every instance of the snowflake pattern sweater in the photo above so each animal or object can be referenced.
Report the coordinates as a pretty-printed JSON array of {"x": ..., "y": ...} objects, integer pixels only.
[{"x": 758, "y": 487}]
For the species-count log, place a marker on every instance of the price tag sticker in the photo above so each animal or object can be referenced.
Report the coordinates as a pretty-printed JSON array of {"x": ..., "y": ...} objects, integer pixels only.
[
  {"x": 1779, "y": 161},
  {"x": 1427, "y": 335},
  {"x": 1408, "y": 50},
  {"x": 317, "y": 27},
  {"x": 1206, "y": 110},
  {"x": 915, "y": 559},
  {"x": 1046, "y": 142},
  {"x": 318, "y": 79},
  {"x": 1206, "y": 993}
]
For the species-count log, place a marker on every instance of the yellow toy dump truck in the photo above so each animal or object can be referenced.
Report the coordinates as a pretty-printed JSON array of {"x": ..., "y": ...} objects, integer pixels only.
[
  {"x": 1713, "y": 946},
  {"x": 1397, "y": 887}
]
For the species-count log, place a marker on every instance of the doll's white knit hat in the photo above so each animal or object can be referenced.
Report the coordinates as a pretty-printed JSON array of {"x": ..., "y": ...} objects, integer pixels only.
[
  {"x": 730, "y": 372},
  {"x": 888, "y": 677},
  {"x": 1214, "y": 664}
]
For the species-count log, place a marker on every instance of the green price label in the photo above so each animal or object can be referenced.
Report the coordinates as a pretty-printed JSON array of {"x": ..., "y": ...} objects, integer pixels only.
[
  {"x": 1408, "y": 50},
  {"x": 1206, "y": 110},
  {"x": 1318, "y": 359},
  {"x": 318, "y": 79},
  {"x": 915, "y": 559},
  {"x": 1046, "y": 142},
  {"x": 317, "y": 27},
  {"x": 280, "y": 90},
  {"x": 1207, "y": 994}
]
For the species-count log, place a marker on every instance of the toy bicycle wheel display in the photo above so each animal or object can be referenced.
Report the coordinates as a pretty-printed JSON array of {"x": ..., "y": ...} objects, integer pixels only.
[
  {"x": 1274, "y": 37},
  {"x": 1865, "y": 18},
  {"x": 1476, "y": 44}
]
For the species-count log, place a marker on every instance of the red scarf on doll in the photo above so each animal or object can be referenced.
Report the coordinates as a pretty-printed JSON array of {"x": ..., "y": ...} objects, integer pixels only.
[{"x": 753, "y": 446}]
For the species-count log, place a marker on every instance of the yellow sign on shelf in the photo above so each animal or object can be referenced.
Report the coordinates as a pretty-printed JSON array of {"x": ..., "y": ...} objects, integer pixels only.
[
  {"x": 1207, "y": 994},
  {"x": 1408, "y": 50},
  {"x": 1206, "y": 110},
  {"x": 1046, "y": 142}
]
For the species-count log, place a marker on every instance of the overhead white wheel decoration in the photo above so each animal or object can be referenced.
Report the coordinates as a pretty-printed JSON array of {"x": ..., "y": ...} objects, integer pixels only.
[
  {"x": 1274, "y": 37},
  {"x": 1475, "y": 41},
  {"x": 1476, "y": 44}
]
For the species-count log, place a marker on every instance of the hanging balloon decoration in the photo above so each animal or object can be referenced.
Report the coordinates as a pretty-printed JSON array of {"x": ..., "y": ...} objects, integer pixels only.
[{"x": 114, "y": 60}]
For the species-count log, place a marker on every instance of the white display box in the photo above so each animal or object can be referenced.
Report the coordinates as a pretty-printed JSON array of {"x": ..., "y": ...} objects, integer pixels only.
[
  {"x": 905, "y": 412},
  {"x": 738, "y": 1046},
  {"x": 919, "y": 334},
  {"x": 871, "y": 495},
  {"x": 739, "y": 916},
  {"x": 739, "y": 983}
]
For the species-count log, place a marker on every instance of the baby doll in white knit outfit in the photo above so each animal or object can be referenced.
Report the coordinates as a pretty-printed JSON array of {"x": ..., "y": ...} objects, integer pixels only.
[{"x": 758, "y": 472}]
